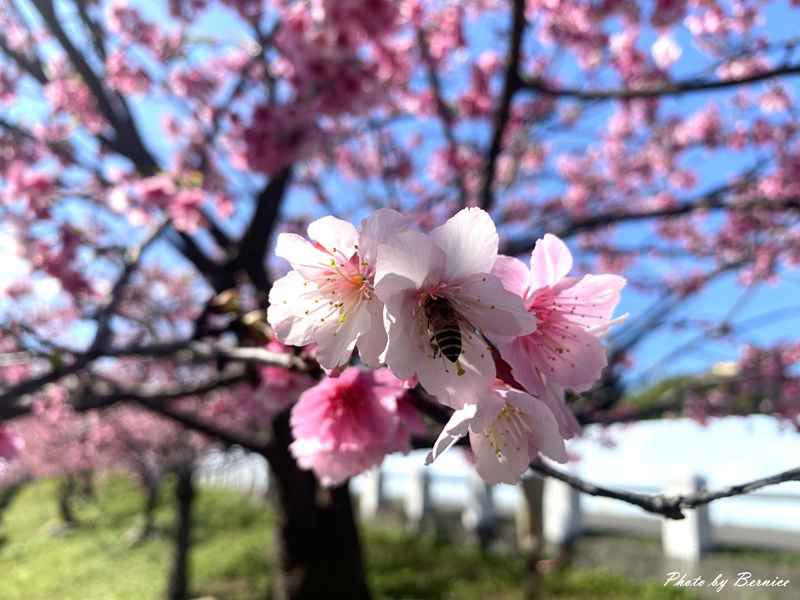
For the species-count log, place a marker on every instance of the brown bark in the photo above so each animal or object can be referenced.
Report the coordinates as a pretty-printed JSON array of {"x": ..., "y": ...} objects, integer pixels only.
[
  {"x": 317, "y": 544},
  {"x": 178, "y": 587},
  {"x": 67, "y": 489}
]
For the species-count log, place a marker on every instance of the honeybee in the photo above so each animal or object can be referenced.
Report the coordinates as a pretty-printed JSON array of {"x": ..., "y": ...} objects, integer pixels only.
[{"x": 444, "y": 329}]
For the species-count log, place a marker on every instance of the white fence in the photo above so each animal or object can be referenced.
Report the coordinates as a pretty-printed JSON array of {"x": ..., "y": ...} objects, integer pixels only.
[{"x": 421, "y": 491}]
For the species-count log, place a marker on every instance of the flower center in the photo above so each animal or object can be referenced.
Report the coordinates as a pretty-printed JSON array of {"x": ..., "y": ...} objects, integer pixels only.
[{"x": 510, "y": 431}]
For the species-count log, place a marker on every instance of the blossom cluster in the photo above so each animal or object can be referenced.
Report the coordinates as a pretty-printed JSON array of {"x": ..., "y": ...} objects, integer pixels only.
[
  {"x": 10, "y": 444},
  {"x": 489, "y": 337}
]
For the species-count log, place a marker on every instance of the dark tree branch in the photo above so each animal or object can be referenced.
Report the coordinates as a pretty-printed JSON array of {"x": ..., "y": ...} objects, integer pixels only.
[
  {"x": 211, "y": 352},
  {"x": 221, "y": 237},
  {"x": 132, "y": 259},
  {"x": 205, "y": 266},
  {"x": 31, "y": 66},
  {"x": 668, "y": 506},
  {"x": 252, "y": 251},
  {"x": 16, "y": 393},
  {"x": 98, "y": 36},
  {"x": 679, "y": 88},
  {"x": 444, "y": 110},
  {"x": 714, "y": 200},
  {"x": 126, "y": 140},
  {"x": 512, "y": 83}
]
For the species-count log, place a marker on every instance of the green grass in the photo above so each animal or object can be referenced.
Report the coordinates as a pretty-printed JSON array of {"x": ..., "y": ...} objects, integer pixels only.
[{"x": 231, "y": 553}]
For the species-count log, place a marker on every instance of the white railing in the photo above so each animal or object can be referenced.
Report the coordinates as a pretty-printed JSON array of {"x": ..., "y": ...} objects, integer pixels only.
[{"x": 422, "y": 491}]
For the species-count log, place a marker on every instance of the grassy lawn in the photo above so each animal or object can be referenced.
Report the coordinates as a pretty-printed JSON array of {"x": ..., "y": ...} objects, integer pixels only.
[{"x": 231, "y": 554}]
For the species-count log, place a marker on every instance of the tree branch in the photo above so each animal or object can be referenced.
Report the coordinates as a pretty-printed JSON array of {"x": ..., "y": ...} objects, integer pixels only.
[
  {"x": 193, "y": 350},
  {"x": 713, "y": 200},
  {"x": 32, "y": 66},
  {"x": 669, "y": 506},
  {"x": 443, "y": 109},
  {"x": 679, "y": 88},
  {"x": 512, "y": 84},
  {"x": 132, "y": 258},
  {"x": 253, "y": 245},
  {"x": 126, "y": 140}
]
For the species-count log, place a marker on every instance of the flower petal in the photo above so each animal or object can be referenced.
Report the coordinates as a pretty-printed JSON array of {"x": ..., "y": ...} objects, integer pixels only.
[
  {"x": 506, "y": 466},
  {"x": 546, "y": 437},
  {"x": 411, "y": 255},
  {"x": 288, "y": 299},
  {"x": 377, "y": 229},
  {"x": 336, "y": 235},
  {"x": 336, "y": 338},
  {"x": 513, "y": 274},
  {"x": 469, "y": 240},
  {"x": 492, "y": 309},
  {"x": 529, "y": 368},
  {"x": 402, "y": 349},
  {"x": 551, "y": 261},
  {"x": 456, "y": 428},
  {"x": 590, "y": 300},
  {"x": 372, "y": 342},
  {"x": 306, "y": 258}
]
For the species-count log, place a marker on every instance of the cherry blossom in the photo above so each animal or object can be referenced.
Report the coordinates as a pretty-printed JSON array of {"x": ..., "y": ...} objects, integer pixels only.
[
  {"x": 665, "y": 51},
  {"x": 453, "y": 263},
  {"x": 10, "y": 443},
  {"x": 328, "y": 297},
  {"x": 507, "y": 430},
  {"x": 347, "y": 424},
  {"x": 565, "y": 351}
]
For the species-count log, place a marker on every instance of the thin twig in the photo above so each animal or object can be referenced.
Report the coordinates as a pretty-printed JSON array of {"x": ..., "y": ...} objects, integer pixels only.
[{"x": 656, "y": 91}]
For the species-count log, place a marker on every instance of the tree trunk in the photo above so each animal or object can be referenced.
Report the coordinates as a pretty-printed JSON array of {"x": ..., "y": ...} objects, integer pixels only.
[
  {"x": 152, "y": 487},
  {"x": 66, "y": 494},
  {"x": 86, "y": 479},
  {"x": 317, "y": 546},
  {"x": 530, "y": 532},
  {"x": 184, "y": 495}
]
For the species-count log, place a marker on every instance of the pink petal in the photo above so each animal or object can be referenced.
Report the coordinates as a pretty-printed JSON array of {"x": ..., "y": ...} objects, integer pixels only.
[
  {"x": 590, "y": 300},
  {"x": 285, "y": 313},
  {"x": 512, "y": 273},
  {"x": 441, "y": 378},
  {"x": 551, "y": 261},
  {"x": 531, "y": 368},
  {"x": 304, "y": 256},
  {"x": 410, "y": 255},
  {"x": 337, "y": 339},
  {"x": 372, "y": 342},
  {"x": 469, "y": 240},
  {"x": 491, "y": 467},
  {"x": 402, "y": 347},
  {"x": 335, "y": 235},
  {"x": 456, "y": 428},
  {"x": 487, "y": 305},
  {"x": 377, "y": 229},
  {"x": 546, "y": 436}
]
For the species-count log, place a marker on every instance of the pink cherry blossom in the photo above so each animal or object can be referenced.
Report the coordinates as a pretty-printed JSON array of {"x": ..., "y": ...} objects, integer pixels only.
[
  {"x": 665, "y": 51},
  {"x": 453, "y": 263},
  {"x": 10, "y": 443},
  {"x": 347, "y": 424},
  {"x": 126, "y": 77},
  {"x": 668, "y": 12},
  {"x": 328, "y": 297},
  {"x": 565, "y": 351},
  {"x": 507, "y": 430}
]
